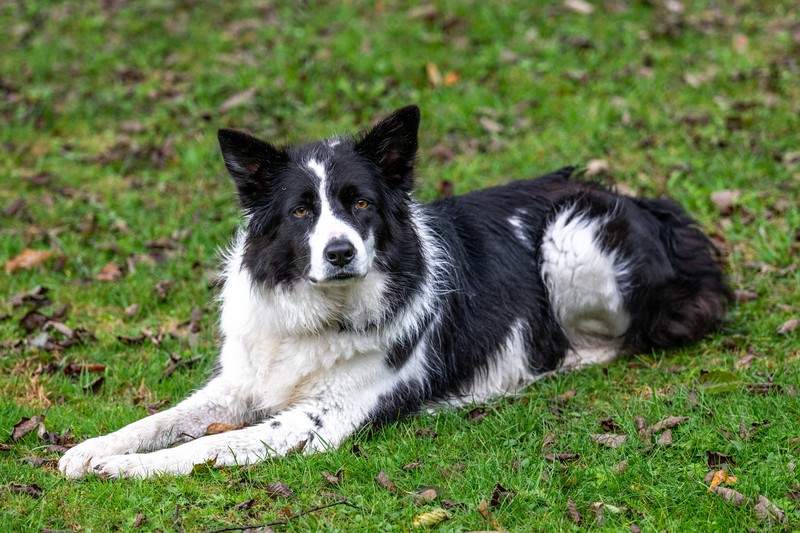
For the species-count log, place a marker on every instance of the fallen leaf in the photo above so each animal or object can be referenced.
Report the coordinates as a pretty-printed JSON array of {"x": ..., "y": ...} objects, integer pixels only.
[
  {"x": 763, "y": 388},
  {"x": 245, "y": 505},
  {"x": 725, "y": 200},
  {"x": 26, "y": 260},
  {"x": 277, "y": 489},
  {"x": 434, "y": 76},
  {"x": 76, "y": 369},
  {"x": 565, "y": 396},
  {"x": 622, "y": 467},
  {"x": 718, "y": 477},
  {"x": 744, "y": 295},
  {"x": 383, "y": 480},
  {"x": 789, "y": 325},
  {"x": 500, "y": 495},
  {"x": 574, "y": 515},
  {"x": 665, "y": 439},
  {"x": 549, "y": 441},
  {"x": 641, "y": 425},
  {"x": 483, "y": 510},
  {"x": 744, "y": 362},
  {"x": 140, "y": 519},
  {"x": 562, "y": 457},
  {"x": 426, "y": 494},
  {"x": 25, "y": 426},
  {"x": 153, "y": 408},
  {"x": 669, "y": 422},
  {"x": 609, "y": 425},
  {"x": 411, "y": 466},
  {"x": 718, "y": 460},
  {"x": 36, "y": 297},
  {"x": 431, "y": 518},
  {"x": 39, "y": 462},
  {"x": 769, "y": 512},
  {"x": 579, "y": 6},
  {"x": 333, "y": 479},
  {"x": 731, "y": 496},
  {"x": 425, "y": 432},
  {"x": 131, "y": 310},
  {"x": 609, "y": 440},
  {"x": 490, "y": 125},
  {"x": 359, "y": 451},
  {"x": 237, "y": 100},
  {"x": 477, "y": 414},
  {"x": 110, "y": 272},
  {"x": 34, "y": 491},
  {"x": 596, "y": 167},
  {"x": 95, "y": 385},
  {"x": 215, "y": 428}
]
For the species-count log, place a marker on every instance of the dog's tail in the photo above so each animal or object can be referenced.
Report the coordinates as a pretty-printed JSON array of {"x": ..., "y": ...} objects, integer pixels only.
[{"x": 683, "y": 300}]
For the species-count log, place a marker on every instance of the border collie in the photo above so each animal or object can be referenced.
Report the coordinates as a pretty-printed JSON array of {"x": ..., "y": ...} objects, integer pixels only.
[{"x": 348, "y": 304}]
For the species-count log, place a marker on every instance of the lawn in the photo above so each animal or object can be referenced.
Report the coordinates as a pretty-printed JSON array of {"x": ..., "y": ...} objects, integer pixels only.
[{"x": 113, "y": 184}]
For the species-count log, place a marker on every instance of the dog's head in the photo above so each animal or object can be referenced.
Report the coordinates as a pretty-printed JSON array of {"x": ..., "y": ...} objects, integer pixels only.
[{"x": 323, "y": 212}]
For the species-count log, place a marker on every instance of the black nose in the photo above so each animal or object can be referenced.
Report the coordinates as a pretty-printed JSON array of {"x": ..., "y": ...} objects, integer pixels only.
[{"x": 339, "y": 253}]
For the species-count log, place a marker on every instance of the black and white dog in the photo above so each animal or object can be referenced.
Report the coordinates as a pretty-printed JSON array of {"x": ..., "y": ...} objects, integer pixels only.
[{"x": 347, "y": 303}]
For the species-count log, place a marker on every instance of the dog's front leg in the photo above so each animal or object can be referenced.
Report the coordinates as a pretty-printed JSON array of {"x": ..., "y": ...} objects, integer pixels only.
[
  {"x": 216, "y": 402},
  {"x": 310, "y": 426}
]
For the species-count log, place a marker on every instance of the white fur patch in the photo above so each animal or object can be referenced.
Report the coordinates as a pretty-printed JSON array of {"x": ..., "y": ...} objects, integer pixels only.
[
  {"x": 518, "y": 227},
  {"x": 584, "y": 286}
]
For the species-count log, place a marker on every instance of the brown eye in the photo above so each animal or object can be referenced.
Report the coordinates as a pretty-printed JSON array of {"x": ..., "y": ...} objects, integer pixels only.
[
  {"x": 361, "y": 204},
  {"x": 300, "y": 212}
]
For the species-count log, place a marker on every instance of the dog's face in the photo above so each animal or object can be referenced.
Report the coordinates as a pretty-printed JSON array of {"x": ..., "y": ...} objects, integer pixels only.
[{"x": 320, "y": 213}]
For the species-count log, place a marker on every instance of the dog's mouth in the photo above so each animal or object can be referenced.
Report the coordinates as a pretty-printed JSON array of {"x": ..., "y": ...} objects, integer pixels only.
[{"x": 340, "y": 278}]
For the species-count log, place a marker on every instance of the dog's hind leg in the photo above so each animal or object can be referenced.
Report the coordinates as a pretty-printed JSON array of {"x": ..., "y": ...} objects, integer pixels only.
[{"x": 584, "y": 284}]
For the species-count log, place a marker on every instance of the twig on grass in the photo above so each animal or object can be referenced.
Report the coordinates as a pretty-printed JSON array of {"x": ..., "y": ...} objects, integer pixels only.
[{"x": 285, "y": 520}]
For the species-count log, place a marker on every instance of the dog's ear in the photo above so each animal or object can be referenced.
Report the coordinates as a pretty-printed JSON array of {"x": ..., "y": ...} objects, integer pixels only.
[
  {"x": 251, "y": 162},
  {"x": 392, "y": 146}
]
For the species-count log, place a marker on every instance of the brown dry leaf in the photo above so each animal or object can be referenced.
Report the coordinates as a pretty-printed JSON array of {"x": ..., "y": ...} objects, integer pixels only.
[
  {"x": 427, "y": 493},
  {"x": 769, "y": 512},
  {"x": 131, "y": 310},
  {"x": 596, "y": 167},
  {"x": 76, "y": 369},
  {"x": 95, "y": 386},
  {"x": 412, "y": 465},
  {"x": 425, "y": 432},
  {"x": 609, "y": 425},
  {"x": 718, "y": 477},
  {"x": 141, "y": 518},
  {"x": 641, "y": 425},
  {"x": 237, "y": 100},
  {"x": 717, "y": 460},
  {"x": 245, "y": 505},
  {"x": 27, "y": 259},
  {"x": 36, "y": 297},
  {"x": 745, "y": 295},
  {"x": 34, "y": 491},
  {"x": 622, "y": 467},
  {"x": 451, "y": 78},
  {"x": 725, "y": 200},
  {"x": 609, "y": 440},
  {"x": 562, "y": 457},
  {"x": 789, "y": 325},
  {"x": 153, "y": 408},
  {"x": 483, "y": 509},
  {"x": 277, "y": 489},
  {"x": 500, "y": 495},
  {"x": 434, "y": 76},
  {"x": 477, "y": 414},
  {"x": 490, "y": 125},
  {"x": 39, "y": 462},
  {"x": 669, "y": 422},
  {"x": 574, "y": 515},
  {"x": 579, "y": 6},
  {"x": 549, "y": 441},
  {"x": 744, "y": 362},
  {"x": 110, "y": 272},
  {"x": 333, "y": 479},
  {"x": 383, "y": 480},
  {"x": 26, "y": 425},
  {"x": 215, "y": 428},
  {"x": 731, "y": 496},
  {"x": 565, "y": 396},
  {"x": 359, "y": 451},
  {"x": 665, "y": 439},
  {"x": 740, "y": 42}
]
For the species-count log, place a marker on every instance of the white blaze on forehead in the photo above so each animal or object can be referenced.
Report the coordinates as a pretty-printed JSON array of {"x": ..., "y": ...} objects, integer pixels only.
[{"x": 328, "y": 227}]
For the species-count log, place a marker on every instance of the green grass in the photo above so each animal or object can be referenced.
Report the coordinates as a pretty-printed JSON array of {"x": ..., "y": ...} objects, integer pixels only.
[{"x": 120, "y": 106}]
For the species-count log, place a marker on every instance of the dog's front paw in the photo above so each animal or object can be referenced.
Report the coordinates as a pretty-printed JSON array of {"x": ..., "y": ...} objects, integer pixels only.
[
  {"x": 76, "y": 462},
  {"x": 140, "y": 465}
]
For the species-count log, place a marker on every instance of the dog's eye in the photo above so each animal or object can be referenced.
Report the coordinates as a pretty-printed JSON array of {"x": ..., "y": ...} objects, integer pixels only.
[
  {"x": 361, "y": 204},
  {"x": 300, "y": 212}
]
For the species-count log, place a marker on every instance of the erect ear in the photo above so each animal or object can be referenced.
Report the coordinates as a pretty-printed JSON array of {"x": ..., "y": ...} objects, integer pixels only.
[
  {"x": 251, "y": 162},
  {"x": 392, "y": 146}
]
